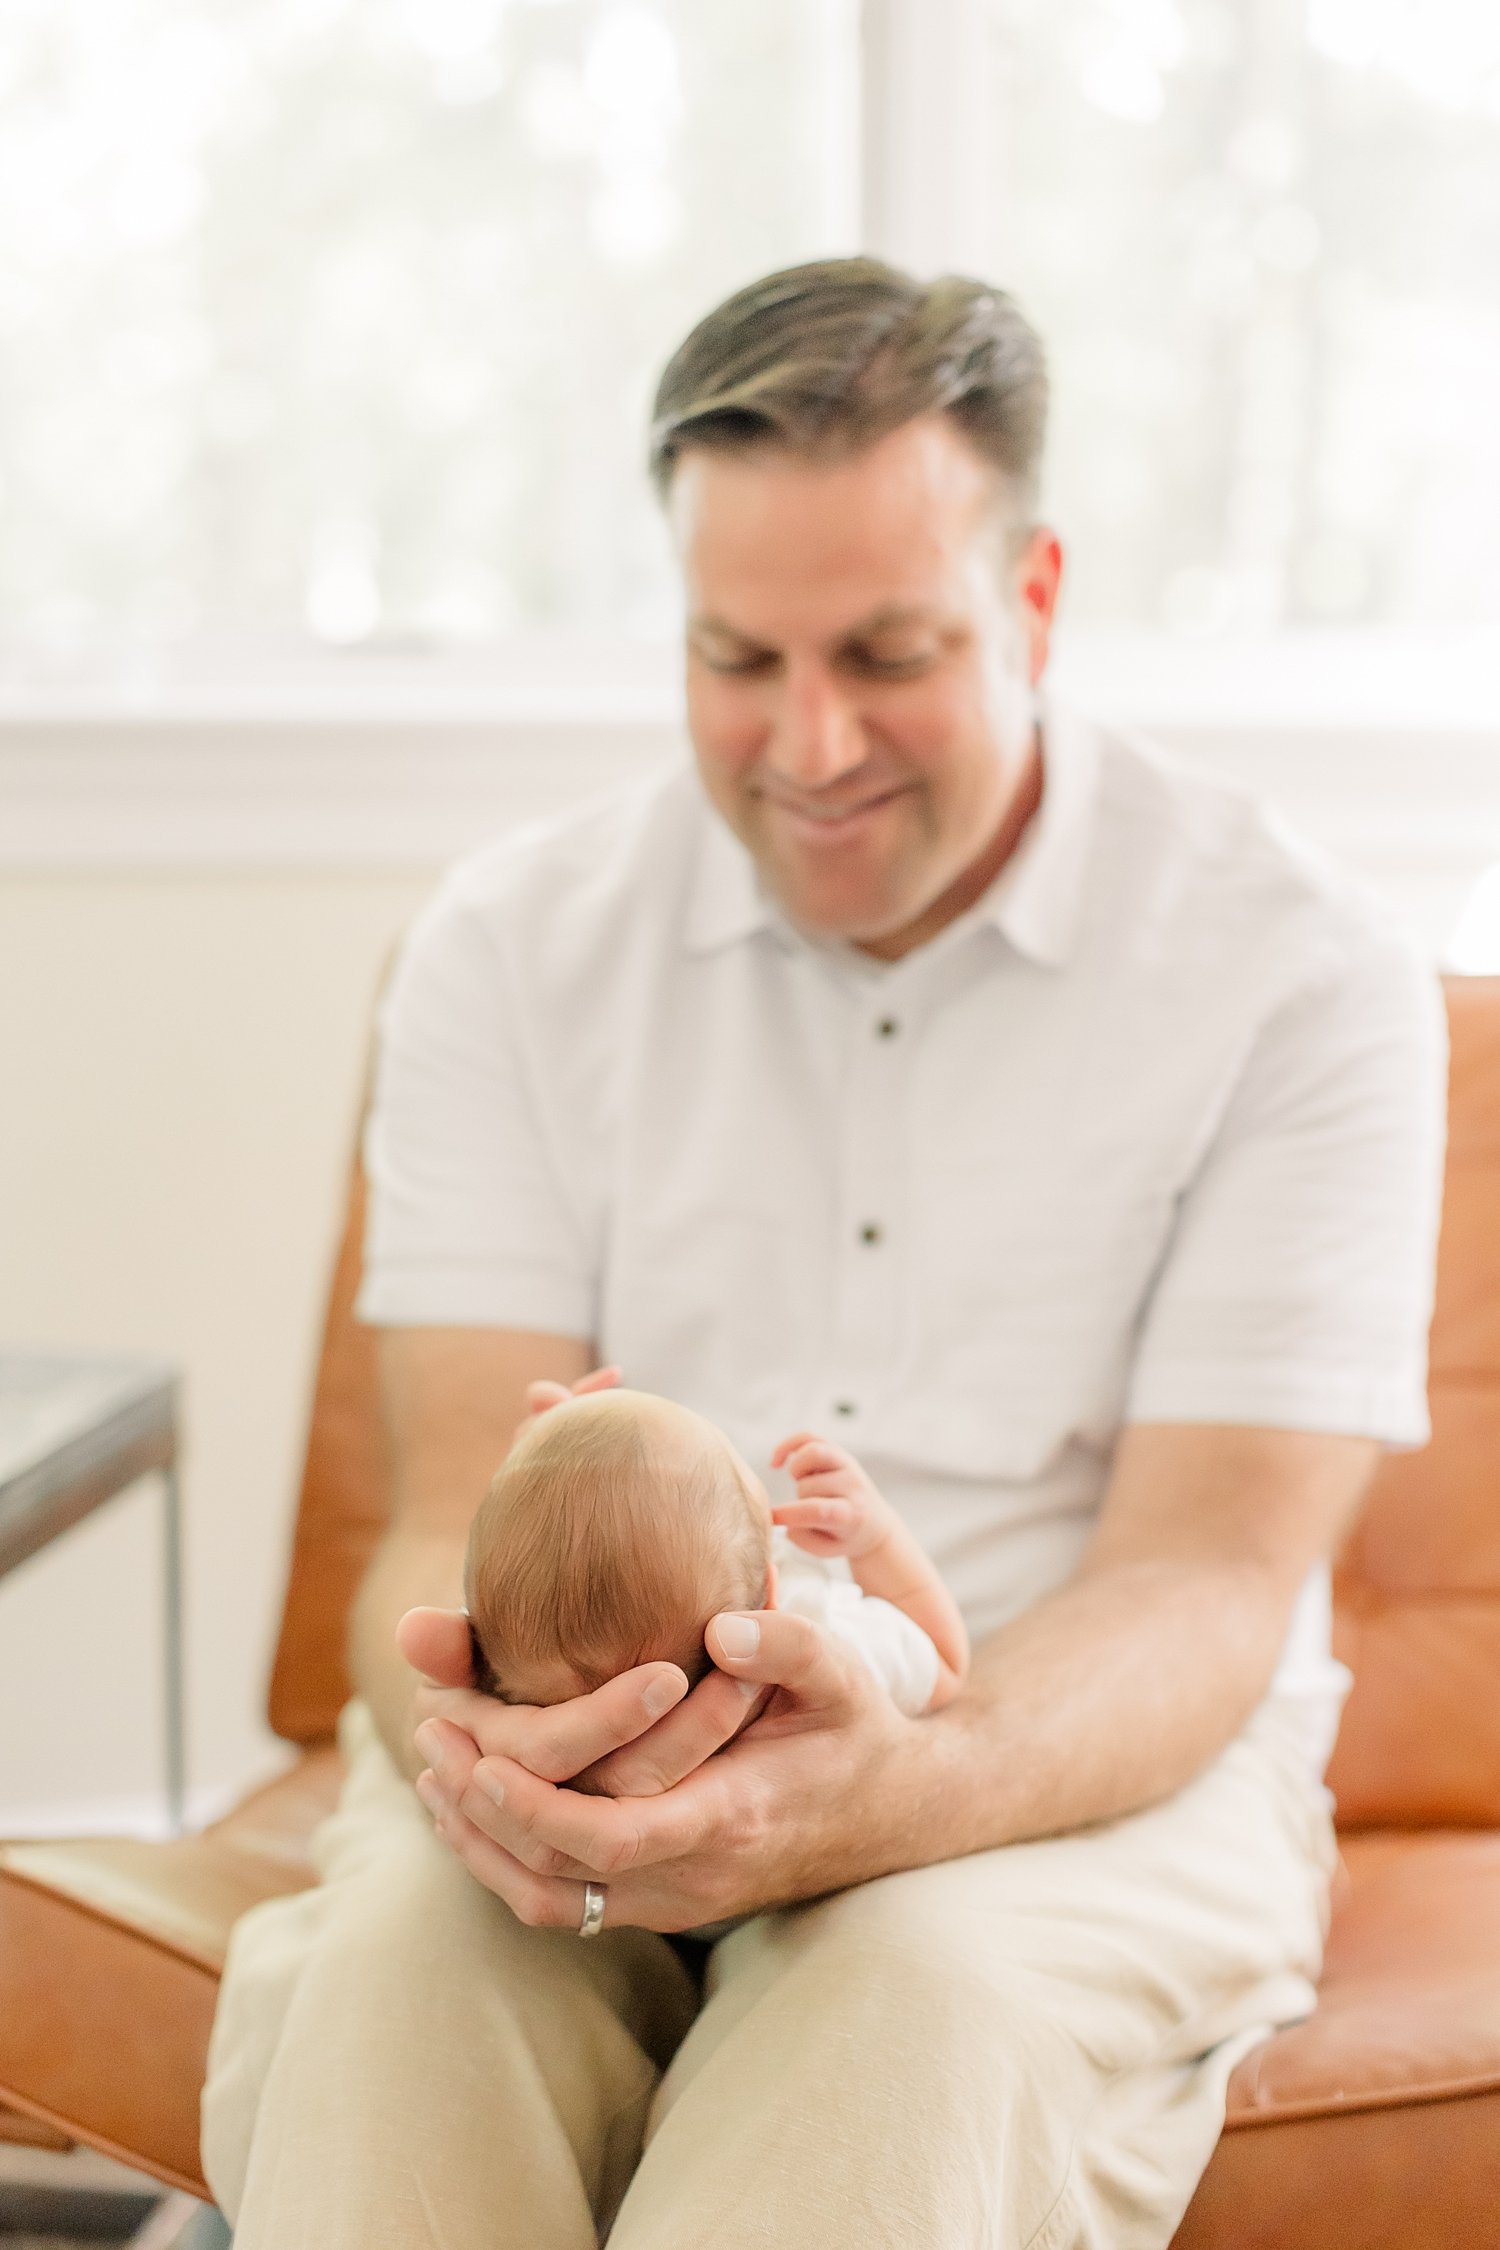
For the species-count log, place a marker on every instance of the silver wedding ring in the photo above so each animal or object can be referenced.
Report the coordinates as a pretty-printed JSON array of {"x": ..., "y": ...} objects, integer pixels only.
[{"x": 593, "y": 1910}]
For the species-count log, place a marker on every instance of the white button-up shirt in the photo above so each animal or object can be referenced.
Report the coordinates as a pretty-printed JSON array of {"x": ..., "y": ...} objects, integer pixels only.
[{"x": 1152, "y": 1133}]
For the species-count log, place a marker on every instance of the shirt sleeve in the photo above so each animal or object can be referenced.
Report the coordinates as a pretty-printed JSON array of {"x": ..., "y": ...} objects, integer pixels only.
[
  {"x": 1297, "y": 1287},
  {"x": 470, "y": 1219}
]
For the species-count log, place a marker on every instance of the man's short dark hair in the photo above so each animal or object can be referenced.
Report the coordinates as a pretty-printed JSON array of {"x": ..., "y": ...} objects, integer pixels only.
[{"x": 823, "y": 359}]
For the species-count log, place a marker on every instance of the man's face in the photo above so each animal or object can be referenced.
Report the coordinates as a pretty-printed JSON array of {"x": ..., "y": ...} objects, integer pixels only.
[{"x": 861, "y": 660}]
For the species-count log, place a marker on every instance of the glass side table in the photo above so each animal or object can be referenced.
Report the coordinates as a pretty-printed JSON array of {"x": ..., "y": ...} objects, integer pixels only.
[{"x": 74, "y": 1431}]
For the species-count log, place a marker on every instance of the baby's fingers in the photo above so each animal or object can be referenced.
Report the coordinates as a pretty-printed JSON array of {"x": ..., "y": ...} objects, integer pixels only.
[
  {"x": 816, "y": 1457},
  {"x": 836, "y": 1517},
  {"x": 790, "y": 1445},
  {"x": 819, "y": 1452},
  {"x": 837, "y": 1484}
]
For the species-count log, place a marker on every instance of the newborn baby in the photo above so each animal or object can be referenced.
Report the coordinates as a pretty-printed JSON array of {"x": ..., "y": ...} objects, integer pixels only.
[{"x": 619, "y": 1524}]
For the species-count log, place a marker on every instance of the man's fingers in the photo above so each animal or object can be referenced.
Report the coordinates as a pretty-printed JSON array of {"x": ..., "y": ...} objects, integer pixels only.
[
  {"x": 454, "y": 1799},
  {"x": 562, "y": 1739},
  {"x": 541, "y": 1396},
  {"x": 778, "y": 1648},
  {"x": 559, "y": 1832},
  {"x": 715, "y": 1710},
  {"x": 556, "y": 1901},
  {"x": 542, "y": 1902},
  {"x": 602, "y": 1379},
  {"x": 450, "y": 1788},
  {"x": 545, "y": 1394},
  {"x": 559, "y": 1740},
  {"x": 435, "y": 1642},
  {"x": 553, "y": 1831}
]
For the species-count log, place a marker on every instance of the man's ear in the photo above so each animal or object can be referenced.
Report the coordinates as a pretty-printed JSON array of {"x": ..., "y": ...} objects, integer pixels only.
[
  {"x": 1038, "y": 576},
  {"x": 436, "y": 1643}
]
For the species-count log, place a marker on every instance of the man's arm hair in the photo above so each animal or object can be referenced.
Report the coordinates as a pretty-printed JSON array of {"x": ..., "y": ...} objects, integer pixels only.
[
  {"x": 1126, "y": 1682},
  {"x": 452, "y": 1399}
]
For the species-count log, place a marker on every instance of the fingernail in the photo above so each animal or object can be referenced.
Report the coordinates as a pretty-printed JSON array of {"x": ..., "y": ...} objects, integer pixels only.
[
  {"x": 748, "y": 1688},
  {"x": 490, "y": 1783},
  {"x": 429, "y": 1792},
  {"x": 738, "y": 1636},
  {"x": 429, "y": 1741},
  {"x": 658, "y": 1697}
]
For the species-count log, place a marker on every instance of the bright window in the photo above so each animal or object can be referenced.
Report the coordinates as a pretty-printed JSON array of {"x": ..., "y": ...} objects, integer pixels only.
[
  {"x": 331, "y": 324},
  {"x": 1263, "y": 239},
  {"x": 334, "y": 321}
]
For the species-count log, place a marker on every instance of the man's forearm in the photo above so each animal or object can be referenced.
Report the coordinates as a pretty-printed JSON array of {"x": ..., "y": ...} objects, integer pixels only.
[
  {"x": 1110, "y": 1694},
  {"x": 1120, "y": 1687},
  {"x": 409, "y": 1567}
]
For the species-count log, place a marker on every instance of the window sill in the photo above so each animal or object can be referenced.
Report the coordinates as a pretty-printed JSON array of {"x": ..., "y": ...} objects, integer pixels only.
[{"x": 1377, "y": 746}]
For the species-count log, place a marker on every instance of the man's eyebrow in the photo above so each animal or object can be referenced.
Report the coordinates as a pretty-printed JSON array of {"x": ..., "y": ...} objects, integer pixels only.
[
  {"x": 710, "y": 624},
  {"x": 888, "y": 618},
  {"x": 892, "y": 616}
]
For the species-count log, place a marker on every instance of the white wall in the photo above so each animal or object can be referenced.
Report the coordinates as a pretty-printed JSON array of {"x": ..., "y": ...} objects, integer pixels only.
[{"x": 180, "y": 1059}]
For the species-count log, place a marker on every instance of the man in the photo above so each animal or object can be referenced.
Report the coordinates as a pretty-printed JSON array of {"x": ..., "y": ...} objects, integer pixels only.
[{"x": 937, "y": 1068}]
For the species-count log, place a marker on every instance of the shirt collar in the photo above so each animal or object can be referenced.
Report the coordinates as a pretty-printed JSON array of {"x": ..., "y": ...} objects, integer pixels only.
[
  {"x": 1037, "y": 898},
  {"x": 1034, "y": 902},
  {"x": 726, "y": 902}
]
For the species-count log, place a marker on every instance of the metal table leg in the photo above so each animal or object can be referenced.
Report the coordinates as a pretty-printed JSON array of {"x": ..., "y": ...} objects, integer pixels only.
[{"x": 174, "y": 1745}]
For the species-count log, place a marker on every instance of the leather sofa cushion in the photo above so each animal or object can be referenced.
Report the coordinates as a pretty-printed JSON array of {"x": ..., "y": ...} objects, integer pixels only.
[
  {"x": 1417, "y": 1588},
  {"x": 110, "y": 1952},
  {"x": 1409, "y": 2001},
  {"x": 342, "y": 1509},
  {"x": 1375, "y": 2125},
  {"x": 20, "y": 2131},
  {"x": 1426, "y": 2177}
]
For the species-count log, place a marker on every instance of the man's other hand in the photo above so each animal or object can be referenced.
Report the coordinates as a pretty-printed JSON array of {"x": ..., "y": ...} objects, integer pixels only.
[{"x": 789, "y": 1809}]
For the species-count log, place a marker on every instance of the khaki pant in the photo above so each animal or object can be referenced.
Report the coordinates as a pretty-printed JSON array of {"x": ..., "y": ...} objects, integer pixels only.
[{"x": 1028, "y": 2047}]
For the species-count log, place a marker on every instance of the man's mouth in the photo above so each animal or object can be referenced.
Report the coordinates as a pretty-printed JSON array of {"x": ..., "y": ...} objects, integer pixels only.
[{"x": 831, "y": 819}]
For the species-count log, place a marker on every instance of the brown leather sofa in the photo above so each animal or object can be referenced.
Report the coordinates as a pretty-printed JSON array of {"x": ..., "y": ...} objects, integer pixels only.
[{"x": 1375, "y": 2125}]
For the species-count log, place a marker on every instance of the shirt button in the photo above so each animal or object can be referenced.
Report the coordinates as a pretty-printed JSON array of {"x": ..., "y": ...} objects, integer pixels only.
[
  {"x": 843, "y": 1406},
  {"x": 887, "y": 1028},
  {"x": 870, "y": 1232}
]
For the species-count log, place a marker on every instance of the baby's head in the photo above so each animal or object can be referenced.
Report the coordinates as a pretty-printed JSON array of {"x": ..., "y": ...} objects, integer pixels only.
[{"x": 615, "y": 1528}]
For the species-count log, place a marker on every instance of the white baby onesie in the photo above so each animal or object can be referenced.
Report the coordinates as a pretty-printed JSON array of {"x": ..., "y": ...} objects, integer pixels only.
[{"x": 897, "y": 1651}]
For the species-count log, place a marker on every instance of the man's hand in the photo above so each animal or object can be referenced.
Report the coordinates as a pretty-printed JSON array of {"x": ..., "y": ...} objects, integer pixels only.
[
  {"x": 617, "y": 1741},
  {"x": 543, "y": 1396},
  {"x": 788, "y": 1810}
]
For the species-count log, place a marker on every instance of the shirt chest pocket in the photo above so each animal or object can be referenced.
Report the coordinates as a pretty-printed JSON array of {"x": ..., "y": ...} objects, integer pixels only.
[{"x": 1028, "y": 1299}]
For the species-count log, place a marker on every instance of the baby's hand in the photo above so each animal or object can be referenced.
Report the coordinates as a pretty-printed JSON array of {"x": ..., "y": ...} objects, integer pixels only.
[{"x": 837, "y": 1510}]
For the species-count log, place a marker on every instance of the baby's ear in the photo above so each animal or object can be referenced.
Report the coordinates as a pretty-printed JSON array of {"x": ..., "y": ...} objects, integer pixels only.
[{"x": 436, "y": 1643}]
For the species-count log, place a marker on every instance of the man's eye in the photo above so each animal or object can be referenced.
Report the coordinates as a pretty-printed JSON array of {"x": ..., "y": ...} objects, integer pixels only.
[
  {"x": 893, "y": 665},
  {"x": 742, "y": 666}
]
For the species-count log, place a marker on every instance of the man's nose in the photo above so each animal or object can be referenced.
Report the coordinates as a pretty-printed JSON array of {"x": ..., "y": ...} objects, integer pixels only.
[{"x": 817, "y": 736}]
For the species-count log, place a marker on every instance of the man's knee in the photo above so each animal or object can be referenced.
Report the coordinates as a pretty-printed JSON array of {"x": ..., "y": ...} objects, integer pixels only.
[{"x": 937, "y": 1962}]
